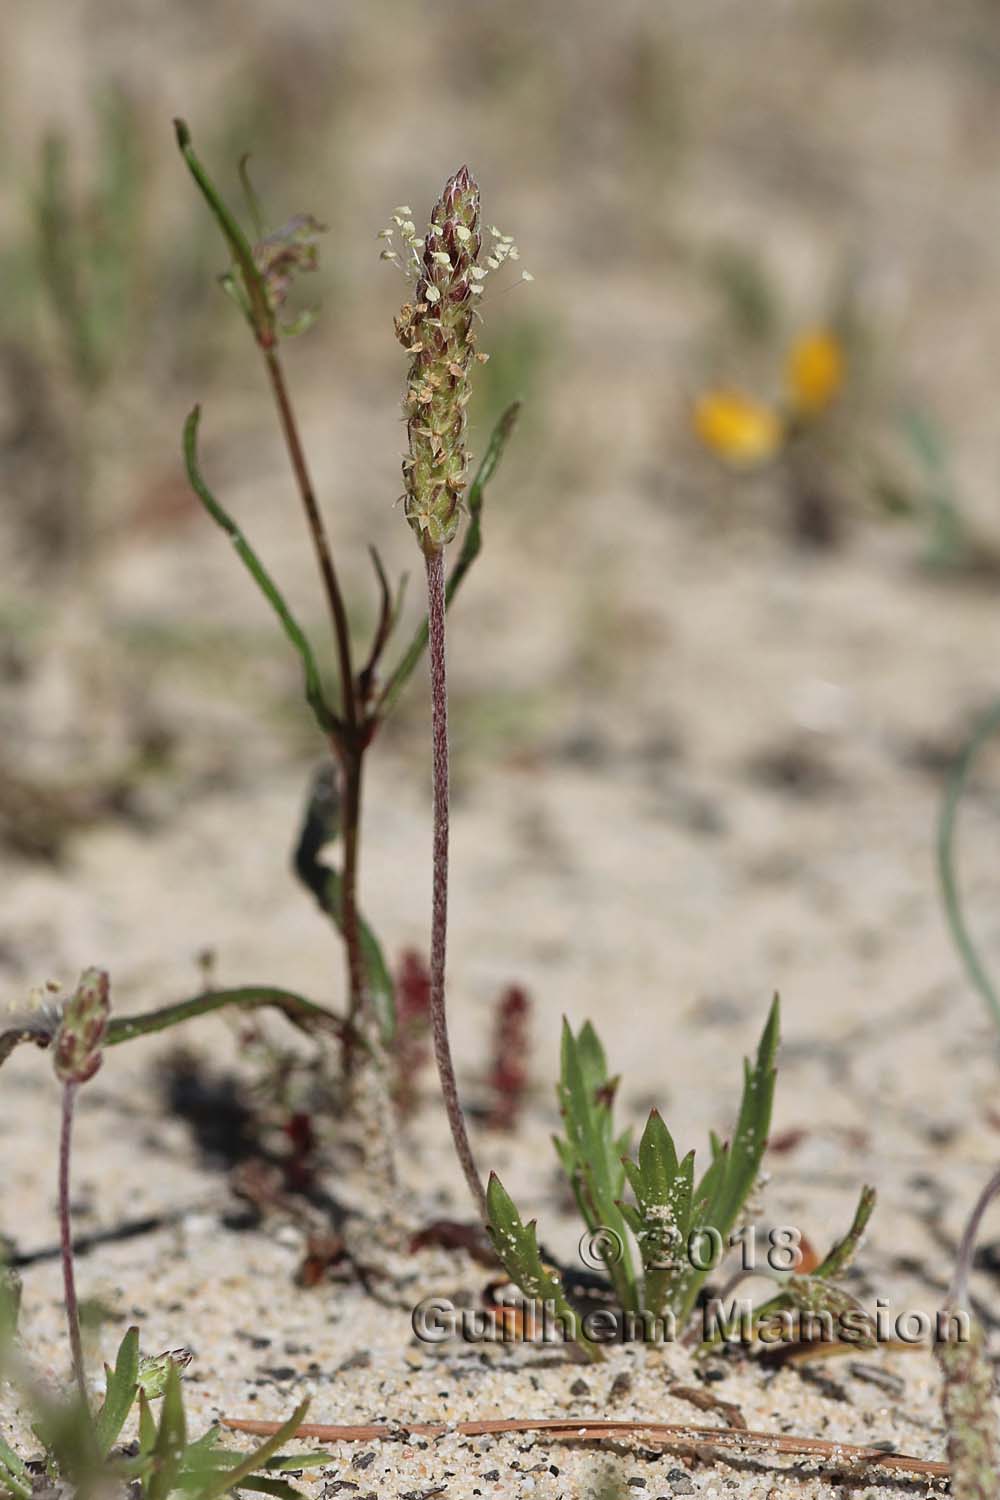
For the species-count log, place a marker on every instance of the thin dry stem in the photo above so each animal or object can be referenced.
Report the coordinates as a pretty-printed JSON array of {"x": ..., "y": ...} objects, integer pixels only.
[
  {"x": 667, "y": 1434},
  {"x": 317, "y": 529},
  {"x": 439, "y": 908}
]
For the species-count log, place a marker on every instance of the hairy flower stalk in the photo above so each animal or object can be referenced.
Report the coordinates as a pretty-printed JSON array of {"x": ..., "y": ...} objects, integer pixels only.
[
  {"x": 436, "y": 330},
  {"x": 77, "y": 1056}
]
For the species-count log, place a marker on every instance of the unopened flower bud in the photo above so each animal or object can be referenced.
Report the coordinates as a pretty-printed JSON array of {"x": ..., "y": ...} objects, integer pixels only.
[
  {"x": 78, "y": 1041},
  {"x": 154, "y": 1369}
]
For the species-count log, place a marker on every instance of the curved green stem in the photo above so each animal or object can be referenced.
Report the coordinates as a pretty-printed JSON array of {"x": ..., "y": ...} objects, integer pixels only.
[{"x": 302, "y": 1013}]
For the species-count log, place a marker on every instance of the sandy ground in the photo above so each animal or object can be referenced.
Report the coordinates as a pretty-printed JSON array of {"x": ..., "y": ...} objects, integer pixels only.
[{"x": 694, "y": 765}]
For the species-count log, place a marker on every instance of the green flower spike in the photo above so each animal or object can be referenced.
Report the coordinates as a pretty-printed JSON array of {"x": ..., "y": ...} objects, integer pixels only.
[{"x": 436, "y": 331}]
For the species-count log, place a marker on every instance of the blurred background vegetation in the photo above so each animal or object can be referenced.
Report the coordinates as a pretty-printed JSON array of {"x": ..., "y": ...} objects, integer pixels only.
[{"x": 693, "y": 187}]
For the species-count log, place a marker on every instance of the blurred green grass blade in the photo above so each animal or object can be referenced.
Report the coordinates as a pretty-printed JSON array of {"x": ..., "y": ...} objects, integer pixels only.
[
  {"x": 947, "y": 866},
  {"x": 147, "y": 1427},
  {"x": 261, "y": 1484},
  {"x": 60, "y": 257},
  {"x": 120, "y": 1393},
  {"x": 472, "y": 542},
  {"x": 261, "y": 316},
  {"x": 313, "y": 684},
  {"x": 282, "y": 1461},
  {"x": 171, "y": 1440},
  {"x": 115, "y": 251},
  {"x": 12, "y": 1481},
  {"x": 253, "y": 1461}
]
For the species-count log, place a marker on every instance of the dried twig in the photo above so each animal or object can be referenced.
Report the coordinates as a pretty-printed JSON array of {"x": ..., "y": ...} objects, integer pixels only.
[{"x": 668, "y": 1434}]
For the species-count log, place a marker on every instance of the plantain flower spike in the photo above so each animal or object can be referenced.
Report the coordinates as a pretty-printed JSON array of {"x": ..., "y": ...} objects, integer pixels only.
[
  {"x": 78, "y": 1041},
  {"x": 435, "y": 329}
]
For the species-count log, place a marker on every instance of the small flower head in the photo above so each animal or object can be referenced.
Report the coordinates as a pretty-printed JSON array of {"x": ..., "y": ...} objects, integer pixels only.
[
  {"x": 81, "y": 1032},
  {"x": 283, "y": 255},
  {"x": 739, "y": 430},
  {"x": 815, "y": 371},
  {"x": 154, "y": 1369}
]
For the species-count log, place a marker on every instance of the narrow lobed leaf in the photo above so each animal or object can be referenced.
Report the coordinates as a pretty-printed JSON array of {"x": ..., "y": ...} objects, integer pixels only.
[{"x": 516, "y": 1243}]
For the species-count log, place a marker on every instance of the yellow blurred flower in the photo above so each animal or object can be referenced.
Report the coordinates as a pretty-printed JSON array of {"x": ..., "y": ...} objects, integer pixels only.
[
  {"x": 815, "y": 371},
  {"x": 741, "y": 431}
]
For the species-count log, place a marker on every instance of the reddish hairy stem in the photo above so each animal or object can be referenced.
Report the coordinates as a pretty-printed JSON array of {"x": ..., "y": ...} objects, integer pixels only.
[
  {"x": 66, "y": 1239},
  {"x": 439, "y": 906}
]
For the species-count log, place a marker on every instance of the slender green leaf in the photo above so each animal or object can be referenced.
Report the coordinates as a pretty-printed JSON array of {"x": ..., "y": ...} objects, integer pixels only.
[
  {"x": 843, "y": 1252},
  {"x": 818, "y": 1291},
  {"x": 723, "y": 1191},
  {"x": 304, "y": 1014},
  {"x": 282, "y": 1461},
  {"x": 260, "y": 315},
  {"x": 746, "y": 1150},
  {"x": 147, "y": 1427},
  {"x": 593, "y": 1155},
  {"x": 120, "y": 1393},
  {"x": 315, "y": 697}
]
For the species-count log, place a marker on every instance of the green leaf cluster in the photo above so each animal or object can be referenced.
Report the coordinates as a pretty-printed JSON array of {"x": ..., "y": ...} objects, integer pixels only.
[
  {"x": 679, "y": 1223},
  {"x": 79, "y": 1445}
]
